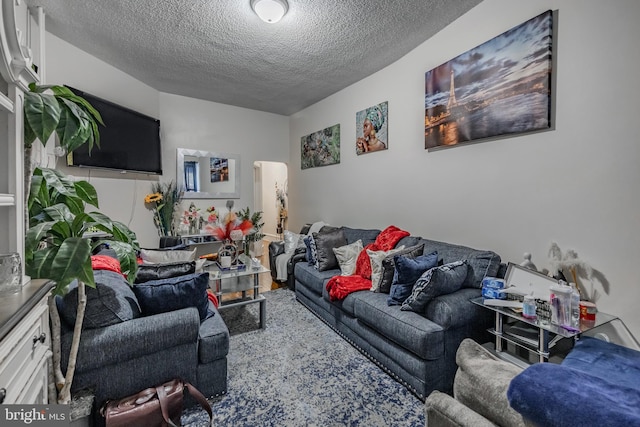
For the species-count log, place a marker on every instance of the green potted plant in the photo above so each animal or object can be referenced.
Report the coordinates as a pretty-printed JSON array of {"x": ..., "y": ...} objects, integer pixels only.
[
  {"x": 56, "y": 244},
  {"x": 254, "y": 238}
]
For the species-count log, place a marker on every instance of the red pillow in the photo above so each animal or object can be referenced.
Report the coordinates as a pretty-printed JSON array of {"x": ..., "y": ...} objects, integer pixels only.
[{"x": 105, "y": 262}]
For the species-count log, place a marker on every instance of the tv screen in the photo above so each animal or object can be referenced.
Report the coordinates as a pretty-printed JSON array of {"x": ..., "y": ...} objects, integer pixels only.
[{"x": 129, "y": 141}]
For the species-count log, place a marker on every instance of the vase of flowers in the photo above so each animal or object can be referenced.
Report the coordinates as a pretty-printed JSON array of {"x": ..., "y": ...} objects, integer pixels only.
[
  {"x": 231, "y": 230},
  {"x": 191, "y": 218},
  {"x": 164, "y": 201}
]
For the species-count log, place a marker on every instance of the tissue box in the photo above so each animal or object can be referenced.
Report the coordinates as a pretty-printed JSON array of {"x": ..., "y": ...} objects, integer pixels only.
[{"x": 492, "y": 288}]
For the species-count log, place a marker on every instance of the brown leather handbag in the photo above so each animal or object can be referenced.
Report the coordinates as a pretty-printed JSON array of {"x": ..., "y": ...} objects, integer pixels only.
[{"x": 156, "y": 406}]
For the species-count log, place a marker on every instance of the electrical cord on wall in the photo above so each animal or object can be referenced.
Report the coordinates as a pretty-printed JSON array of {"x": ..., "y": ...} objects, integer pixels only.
[{"x": 133, "y": 206}]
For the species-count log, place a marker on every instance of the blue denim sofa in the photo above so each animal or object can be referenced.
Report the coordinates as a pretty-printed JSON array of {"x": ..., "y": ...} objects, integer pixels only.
[{"x": 417, "y": 349}]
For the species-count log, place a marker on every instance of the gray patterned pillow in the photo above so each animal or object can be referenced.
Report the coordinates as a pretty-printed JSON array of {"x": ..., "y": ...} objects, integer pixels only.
[
  {"x": 347, "y": 256},
  {"x": 376, "y": 257},
  {"x": 437, "y": 281}
]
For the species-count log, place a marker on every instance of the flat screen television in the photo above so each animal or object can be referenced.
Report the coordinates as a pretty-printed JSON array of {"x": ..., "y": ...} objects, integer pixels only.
[{"x": 129, "y": 141}]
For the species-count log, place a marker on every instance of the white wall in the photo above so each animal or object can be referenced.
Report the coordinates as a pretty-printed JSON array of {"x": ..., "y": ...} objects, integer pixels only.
[
  {"x": 185, "y": 123},
  {"x": 573, "y": 185}
]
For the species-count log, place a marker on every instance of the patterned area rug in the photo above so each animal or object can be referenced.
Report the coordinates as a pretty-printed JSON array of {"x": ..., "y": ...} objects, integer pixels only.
[{"x": 299, "y": 372}]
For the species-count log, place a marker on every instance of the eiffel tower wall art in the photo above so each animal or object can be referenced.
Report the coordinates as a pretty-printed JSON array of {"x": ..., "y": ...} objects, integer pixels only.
[{"x": 500, "y": 88}]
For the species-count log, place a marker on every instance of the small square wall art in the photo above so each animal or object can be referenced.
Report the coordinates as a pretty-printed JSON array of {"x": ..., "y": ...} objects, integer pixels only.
[
  {"x": 500, "y": 88},
  {"x": 372, "y": 129},
  {"x": 321, "y": 148}
]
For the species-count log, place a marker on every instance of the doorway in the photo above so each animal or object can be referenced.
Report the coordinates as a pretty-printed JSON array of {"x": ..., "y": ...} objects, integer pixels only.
[{"x": 270, "y": 196}]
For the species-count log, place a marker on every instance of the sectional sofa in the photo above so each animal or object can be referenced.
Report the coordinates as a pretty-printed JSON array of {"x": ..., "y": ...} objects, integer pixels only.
[{"x": 416, "y": 348}]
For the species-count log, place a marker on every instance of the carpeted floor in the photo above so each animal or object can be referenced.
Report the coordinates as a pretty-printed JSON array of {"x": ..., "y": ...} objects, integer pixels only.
[{"x": 299, "y": 372}]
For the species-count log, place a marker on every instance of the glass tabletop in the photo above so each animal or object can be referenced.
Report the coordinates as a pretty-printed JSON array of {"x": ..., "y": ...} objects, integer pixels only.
[
  {"x": 216, "y": 272},
  {"x": 601, "y": 319}
]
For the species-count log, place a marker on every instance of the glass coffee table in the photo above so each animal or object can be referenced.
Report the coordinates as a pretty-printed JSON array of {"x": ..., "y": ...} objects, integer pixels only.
[{"x": 245, "y": 282}]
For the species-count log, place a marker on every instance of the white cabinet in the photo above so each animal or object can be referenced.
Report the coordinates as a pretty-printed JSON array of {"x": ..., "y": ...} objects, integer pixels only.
[
  {"x": 24, "y": 321},
  {"x": 24, "y": 344}
]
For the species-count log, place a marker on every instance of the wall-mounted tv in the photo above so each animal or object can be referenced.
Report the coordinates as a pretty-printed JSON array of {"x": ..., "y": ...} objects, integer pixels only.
[{"x": 129, "y": 141}]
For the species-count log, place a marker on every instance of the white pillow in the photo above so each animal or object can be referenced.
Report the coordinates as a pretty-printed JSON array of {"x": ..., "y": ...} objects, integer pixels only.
[
  {"x": 150, "y": 256},
  {"x": 347, "y": 256},
  {"x": 291, "y": 241},
  {"x": 376, "y": 257}
]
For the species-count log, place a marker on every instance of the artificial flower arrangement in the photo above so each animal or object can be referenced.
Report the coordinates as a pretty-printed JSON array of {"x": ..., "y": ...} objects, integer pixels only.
[
  {"x": 213, "y": 215},
  {"x": 191, "y": 217},
  {"x": 163, "y": 201},
  {"x": 232, "y": 228}
]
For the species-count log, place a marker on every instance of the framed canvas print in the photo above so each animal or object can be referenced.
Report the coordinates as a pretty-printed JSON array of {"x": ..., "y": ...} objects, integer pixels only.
[
  {"x": 321, "y": 148},
  {"x": 502, "y": 87},
  {"x": 371, "y": 129}
]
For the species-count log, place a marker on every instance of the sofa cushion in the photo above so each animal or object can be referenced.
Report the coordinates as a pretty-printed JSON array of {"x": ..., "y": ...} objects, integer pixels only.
[
  {"x": 367, "y": 236},
  {"x": 481, "y": 263},
  {"x": 313, "y": 279},
  {"x": 148, "y": 272},
  {"x": 376, "y": 258},
  {"x": 389, "y": 266},
  {"x": 416, "y": 333},
  {"x": 111, "y": 301},
  {"x": 325, "y": 243},
  {"x": 213, "y": 338},
  {"x": 151, "y": 256},
  {"x": 160, "y": 296},
  {"x": 408, "y": 270},
  {"x": 347, "y": 256},
  {"x": 437, "y": 281}
]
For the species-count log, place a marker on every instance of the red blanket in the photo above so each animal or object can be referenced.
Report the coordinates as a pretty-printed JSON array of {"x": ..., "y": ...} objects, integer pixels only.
[{"x": 341, "y": 286}]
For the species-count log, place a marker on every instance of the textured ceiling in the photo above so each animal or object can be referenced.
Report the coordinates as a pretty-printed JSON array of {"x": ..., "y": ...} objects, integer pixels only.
[{"x": 219, "y": 50}]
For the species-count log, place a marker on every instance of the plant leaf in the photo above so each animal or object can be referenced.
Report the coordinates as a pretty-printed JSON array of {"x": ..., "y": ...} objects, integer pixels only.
[
  {"x": 73, "y": 261},
  {"x": 42, "y": 112},
  {"x": 86, "y": 192}
]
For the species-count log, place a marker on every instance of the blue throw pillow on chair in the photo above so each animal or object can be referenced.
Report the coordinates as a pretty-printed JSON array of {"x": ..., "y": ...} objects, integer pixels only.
[
  {"x": 161, "y": 296},
  {"x": 407, "y": 271}
]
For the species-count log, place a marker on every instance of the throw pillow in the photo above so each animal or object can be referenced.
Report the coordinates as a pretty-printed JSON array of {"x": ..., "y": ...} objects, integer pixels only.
[
  {"x": 389, "y": 266},
  {"x": 325, "y": 242},
  {"x": 161, "y": 296},
  {"x": 376, "y": 257},
  {"x": 111, "y": 301},
  {"x": 150, "y": 256},
  {"x": 164, "y": 271},
  {"x": 347, "y": 256},
  {"x": 311, "y": 255},
  {"x": 290, "y": 241},
  {"x": 408, "y": 270},
  {"x": 437, "y": 281}
]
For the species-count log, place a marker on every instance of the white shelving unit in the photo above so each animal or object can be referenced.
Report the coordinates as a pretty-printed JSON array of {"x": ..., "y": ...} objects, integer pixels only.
[{"x": 24, "y": 321}]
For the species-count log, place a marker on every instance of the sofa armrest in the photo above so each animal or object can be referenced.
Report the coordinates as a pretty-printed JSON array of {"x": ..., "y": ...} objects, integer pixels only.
[
  {"x": 455, "y": 310},
  {"x": 133, "y": 338},
  {"x": 481, "y": 384},
  {"x": 443, "y": 410}
]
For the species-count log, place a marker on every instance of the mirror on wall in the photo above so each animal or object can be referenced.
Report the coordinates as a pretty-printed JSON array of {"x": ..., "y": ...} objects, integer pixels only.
[{"x": 208, "y": 175}]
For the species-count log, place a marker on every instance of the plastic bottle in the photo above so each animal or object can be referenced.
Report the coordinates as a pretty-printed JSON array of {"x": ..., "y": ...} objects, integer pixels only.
[
  {"x": 529, "y": 307},
  {"x": 575, "y": 306}
]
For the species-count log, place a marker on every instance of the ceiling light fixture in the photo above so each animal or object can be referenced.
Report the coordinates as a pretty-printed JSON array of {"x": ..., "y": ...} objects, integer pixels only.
[{"x": 270, "y": 11}]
